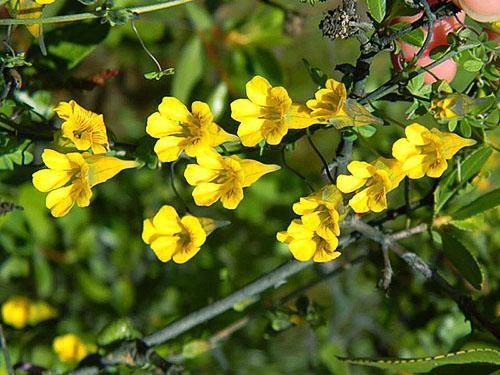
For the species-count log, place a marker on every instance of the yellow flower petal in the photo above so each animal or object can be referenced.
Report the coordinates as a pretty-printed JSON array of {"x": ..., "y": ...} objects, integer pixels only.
[
  {"x": 437, "y": 168},
  {"x": 250, "y": 131},
  {"x": 299, "y": 117},
  {"x": 402, "y": 149},
  {"x": 206, "y": 194},
  {"x": 56, "y": 160},
  {"x": 302, "y": 249},
  {"x": 415, "y": 166},
  {"x": 169, "y": 148},
  {"x": 273, "y": 131},
  {"x": 257, "y": 90},
  {"x": 159, "y": 126},
  {"x": 452, "y": 143},
  {"x": 61, "y": 200},
  {"x": 102, "y": 168},
  {"x": 244, "y": 109},
  {"x": 173, "y": 109},
  {"x": 253, "y": 170},
  {"x": 48, "y": 179},
  {"x": 348, "y": 184},
  {"x": 361, "y": 169},
  {"x": 167, "y": 221},
  {"x": 231, "y": 197},
  {"x": 193, "y": 225},
  {"x": 359, "y": 202},
  {"x": 149, "y": 232},
  {"x": 202, "y": 112},
  {"x": 196, "y": 174},
  {"x": 164, "y": 247},
  {"x": 417, "y": 134}
]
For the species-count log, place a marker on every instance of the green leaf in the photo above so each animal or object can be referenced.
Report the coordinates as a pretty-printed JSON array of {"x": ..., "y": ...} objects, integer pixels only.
[
  {"x": 415, "y": 37},
  {"x": 450, "y": 184},
  {"x": 118, "y": 330},
  {"x": 485, "y": 202},
  {"x": 189, "y": 69},
  {"x": 316, "y": 74},
  {"x": 67, "y": 46},
  {"x": 461, "y": 258},
  {"x": 426, "y": 364},
  {"x": 159, "y": 75},
  {"x": 377, "y": 9},
  {"x": 13, "y": 152},
  {"x": 473, "y": 65}
]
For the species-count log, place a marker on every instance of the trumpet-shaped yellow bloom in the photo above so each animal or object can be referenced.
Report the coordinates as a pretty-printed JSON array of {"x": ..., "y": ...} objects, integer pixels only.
[
  {"x": 425, "y": 152},
  {"x": 306, "y": 244},
  {"x": 15, "y": 311},
  {"x": 20, "y": 311},
  {"x": 315, "y": 234},
  {"x": 84, "y": 128},
  {"x": 378, "y": 177},
  {"x": 444, "y": 108},
  {"x": 69, "y": 348},
  {"x": 329, "y": 102},
  {"x": 173, "y": 237},
  {"x": 319, "y": 211},
  {"x": 180, "y": 130},
  {"x": 267, "y": 114},
  {"x": 70, "y": 177},
  {"x": 223, "y": 177}
]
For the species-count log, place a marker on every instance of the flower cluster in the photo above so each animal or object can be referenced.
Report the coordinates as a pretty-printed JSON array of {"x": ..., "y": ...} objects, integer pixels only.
[
  {"x": 315, "y": 234},
  {"x": 19, "y": 311},
  {"x": 422, "y": 152},
  {"x": 70, "y": 176},
  {"x": 265, "y": 116}
]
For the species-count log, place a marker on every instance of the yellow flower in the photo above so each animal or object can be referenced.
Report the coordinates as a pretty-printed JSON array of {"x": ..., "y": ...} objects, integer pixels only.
[
  {"x": 180, "y": 130},
  {"x": 69, "y": 348},
  {"x": 315, "y": 234},
  {"x": 379, "y": 177},
  {"x": 223, "y": 177},
  {"x": 15, "y": 311},
  {"x": 319, "y": 211},
  {"x": 20, "y": 311},
  {"x": 306, "y": 244},
  {"x": 425, "y": 152},
  {"x": 70, "y": 177},
  {"x": 44, "y": 2},
  {"x": 267, "y": 114},
  {"x": 329, "y": 102},
  {"x": 445, "y": 108},
  {"x": 172, "y": 237},
  {"x": 40, "y": 311},
  {"x": 84, "y": 128}
]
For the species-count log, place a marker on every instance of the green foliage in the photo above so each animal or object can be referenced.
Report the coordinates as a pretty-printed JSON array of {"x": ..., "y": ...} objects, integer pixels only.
[
  {"x": 455, "y": 250},
  {"x": 456, "y": 178},
  {"x": 377, "y": 9},
  {"x": 421, "y": 365}
]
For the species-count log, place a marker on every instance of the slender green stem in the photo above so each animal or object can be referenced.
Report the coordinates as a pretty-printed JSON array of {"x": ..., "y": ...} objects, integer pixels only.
[
  {"x": 3, "y": 345},
  {"x": 90, "y": 16}
]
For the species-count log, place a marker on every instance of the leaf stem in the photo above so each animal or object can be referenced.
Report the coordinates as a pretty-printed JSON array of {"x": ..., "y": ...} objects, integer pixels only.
[{"x": 90, "y": 16}]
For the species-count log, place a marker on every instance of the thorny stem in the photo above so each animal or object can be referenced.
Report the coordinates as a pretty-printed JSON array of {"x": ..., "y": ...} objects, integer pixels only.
[{"x": 90, "y": 16}]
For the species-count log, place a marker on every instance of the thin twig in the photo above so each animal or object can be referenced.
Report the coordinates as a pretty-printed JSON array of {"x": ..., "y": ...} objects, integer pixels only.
[
  {"x": 172, "y": 184},
  {"x": 294, "y": 171},
  {"x": 386, "y": 279},
  {"x": 430, "y": 25},
  {"x": 418, "y": 265},
  {"x": 90, "y": 16},
  {"x": 143, "y": 45},
  {"x": 326, "y": 167}
]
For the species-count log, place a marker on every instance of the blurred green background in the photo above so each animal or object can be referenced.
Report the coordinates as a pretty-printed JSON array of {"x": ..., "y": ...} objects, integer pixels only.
[{"x": 92, "y": 264}]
